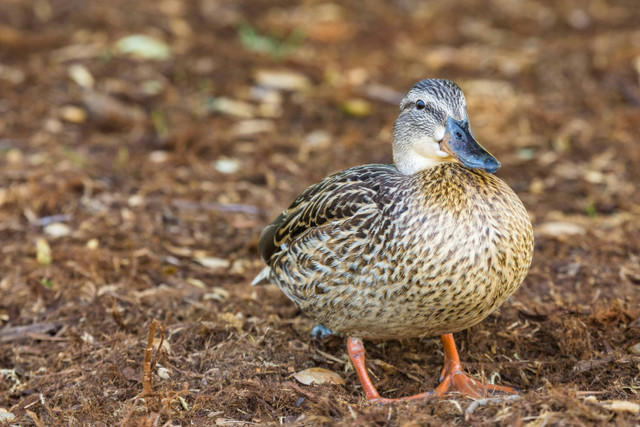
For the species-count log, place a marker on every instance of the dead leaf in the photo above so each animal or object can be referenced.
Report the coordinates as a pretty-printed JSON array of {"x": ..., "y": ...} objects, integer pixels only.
[
  {"x": 73, "y": 114},
  {"x": 318, "y": 376},
  {"x": 43, "y": 252},
  {"x": 217, "y": 293},
  {"x": 212, "y": 262},
  {"x": 560, "y": 229},
  {"x": 144, "y": 47},
  {"x": 57, "y": 229},
  {"x": 282, "y": 80},
  {"x": 356, "y": 107}
]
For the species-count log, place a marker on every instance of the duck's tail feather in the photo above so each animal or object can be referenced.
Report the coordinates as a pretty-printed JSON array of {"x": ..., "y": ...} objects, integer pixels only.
[{"x": 262, "y": 278}]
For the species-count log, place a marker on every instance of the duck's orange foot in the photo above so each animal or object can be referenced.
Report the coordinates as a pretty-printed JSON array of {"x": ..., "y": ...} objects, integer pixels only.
[
  {"x": 356, "y": 353},
  {"x": 454, "y": 379},
  {"x": 451, "y": 379}
]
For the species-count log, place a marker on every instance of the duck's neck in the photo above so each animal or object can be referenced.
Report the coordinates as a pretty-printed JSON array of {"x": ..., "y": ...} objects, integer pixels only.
[{"x": 409, "y": 162}]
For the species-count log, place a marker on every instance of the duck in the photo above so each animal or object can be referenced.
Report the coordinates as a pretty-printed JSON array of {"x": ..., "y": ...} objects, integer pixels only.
[{"x": 425, "y": 247}]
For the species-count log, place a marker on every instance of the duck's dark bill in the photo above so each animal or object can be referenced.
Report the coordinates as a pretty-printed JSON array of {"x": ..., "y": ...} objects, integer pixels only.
[{"x": 462, "y": 146}]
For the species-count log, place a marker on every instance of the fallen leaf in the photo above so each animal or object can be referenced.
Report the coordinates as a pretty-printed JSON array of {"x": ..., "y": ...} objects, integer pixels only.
[
  {"x": 143, "y": 46},
  {"x": 227, "y": 165},
  {"x": 356, "y": 107},
  {"x": 318, "y": 376},
  {"x": 253, "y": 127},
  {"x": 57, "y": 229},
  {"x": 212, "y": 262},
  {"x": 218, "y": 294},
  {"x": 73, "y": 114},
  {"x": 43, "y": 251},
  {"x": 163, "y": 373},
  {"x": 560, "y": 229},
  {"x": 165, "y": 344},
  {"x": 81, "y": 76},
  {"x": 232, "y": 107},
  {"x": 158, "y": 156},
  {"x": 178, "y": 251},
  {"x": 196, "y": 282},
  {"x": 282, "y": 80}
]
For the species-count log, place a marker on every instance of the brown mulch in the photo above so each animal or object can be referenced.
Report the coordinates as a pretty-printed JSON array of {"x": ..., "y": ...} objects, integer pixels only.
[{"x": 134, "y": 189}]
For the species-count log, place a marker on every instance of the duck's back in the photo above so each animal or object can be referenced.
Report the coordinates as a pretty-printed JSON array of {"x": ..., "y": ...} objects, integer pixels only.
[{"x": 373, "y": 253}]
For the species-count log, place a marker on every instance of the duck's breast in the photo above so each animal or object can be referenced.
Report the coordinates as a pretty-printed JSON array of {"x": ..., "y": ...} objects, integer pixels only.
[{"x": 461, "y": 245}]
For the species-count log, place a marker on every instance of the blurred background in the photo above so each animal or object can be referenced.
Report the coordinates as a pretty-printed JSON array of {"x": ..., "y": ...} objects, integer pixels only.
[{"x": 145, "y": 144}]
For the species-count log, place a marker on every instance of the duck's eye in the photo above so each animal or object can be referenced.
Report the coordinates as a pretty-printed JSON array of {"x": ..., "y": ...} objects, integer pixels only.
[{"x": 420, "y": 104}]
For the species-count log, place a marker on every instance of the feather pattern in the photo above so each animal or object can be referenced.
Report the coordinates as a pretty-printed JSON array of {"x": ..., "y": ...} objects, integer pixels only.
[
  {"x": 318, "y": 205},
  {"x": 374, "y": 253}
]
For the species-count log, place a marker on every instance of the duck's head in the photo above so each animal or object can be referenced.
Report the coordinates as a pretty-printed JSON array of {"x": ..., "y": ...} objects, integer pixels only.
[{"x": 433, "y": 128}]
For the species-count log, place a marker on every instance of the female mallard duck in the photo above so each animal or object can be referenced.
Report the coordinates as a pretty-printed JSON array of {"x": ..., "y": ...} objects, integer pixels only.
[{"x": 427, "y": 246}]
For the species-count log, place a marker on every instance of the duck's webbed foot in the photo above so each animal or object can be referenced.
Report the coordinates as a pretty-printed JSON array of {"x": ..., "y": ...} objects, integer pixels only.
[
  {"x": 453, "y": 377},
  {"x": 356, "y": 353}
]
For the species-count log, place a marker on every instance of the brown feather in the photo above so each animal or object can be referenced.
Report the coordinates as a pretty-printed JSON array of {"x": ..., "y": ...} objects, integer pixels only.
[{"x": 372, "y": 253}]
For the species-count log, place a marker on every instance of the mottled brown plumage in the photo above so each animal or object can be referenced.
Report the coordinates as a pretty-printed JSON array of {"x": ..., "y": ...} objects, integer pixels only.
[
  {"x": 425, "y": 247},
  {"x": 373, "y": 253}
]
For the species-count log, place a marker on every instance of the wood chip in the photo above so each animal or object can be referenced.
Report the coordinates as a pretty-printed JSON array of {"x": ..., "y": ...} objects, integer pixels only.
[
  {"x": 81, "y": 76},
  {"x": 621, "y": 406},
  {"x": 252, "y": 127},
  {"x": 212, "y": 262},
  {"x": 217, "y": 293},
  {"x": 560, "y": 229},
  {"x": 282, "y": 80},
  {"x": 73, "y": 114},
  {"x": 232, "y": 107}
]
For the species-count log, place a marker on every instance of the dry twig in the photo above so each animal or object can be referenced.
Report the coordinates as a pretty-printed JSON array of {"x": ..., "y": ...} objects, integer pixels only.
[{"x": 150, "y": 363}]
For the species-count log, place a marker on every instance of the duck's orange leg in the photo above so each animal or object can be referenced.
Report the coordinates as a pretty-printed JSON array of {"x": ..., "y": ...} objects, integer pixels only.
[
  {"x": 356, "y": 353},
  {"x": 451, "y": 379},
  {"x": 454, "y": 379}
]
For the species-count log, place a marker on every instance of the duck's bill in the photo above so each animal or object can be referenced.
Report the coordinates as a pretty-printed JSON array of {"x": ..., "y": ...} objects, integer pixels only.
[{"x": 462, "y": 146}]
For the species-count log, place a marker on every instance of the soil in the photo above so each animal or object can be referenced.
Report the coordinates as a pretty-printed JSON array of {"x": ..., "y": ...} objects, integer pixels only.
[{"x": 137, "y": 174}]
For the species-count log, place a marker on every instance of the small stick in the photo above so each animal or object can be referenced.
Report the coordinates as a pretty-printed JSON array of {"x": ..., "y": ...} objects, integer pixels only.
[
  {"x": 150, "y": 363},
  {"x": 308, "y": 394}
]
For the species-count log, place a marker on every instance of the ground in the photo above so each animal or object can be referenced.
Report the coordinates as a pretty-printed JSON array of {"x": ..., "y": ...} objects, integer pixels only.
[{"x": 136, "y": 176}]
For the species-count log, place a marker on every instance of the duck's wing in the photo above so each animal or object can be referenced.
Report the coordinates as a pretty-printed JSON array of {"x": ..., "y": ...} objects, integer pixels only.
[{"x": 335, "y": 198}]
